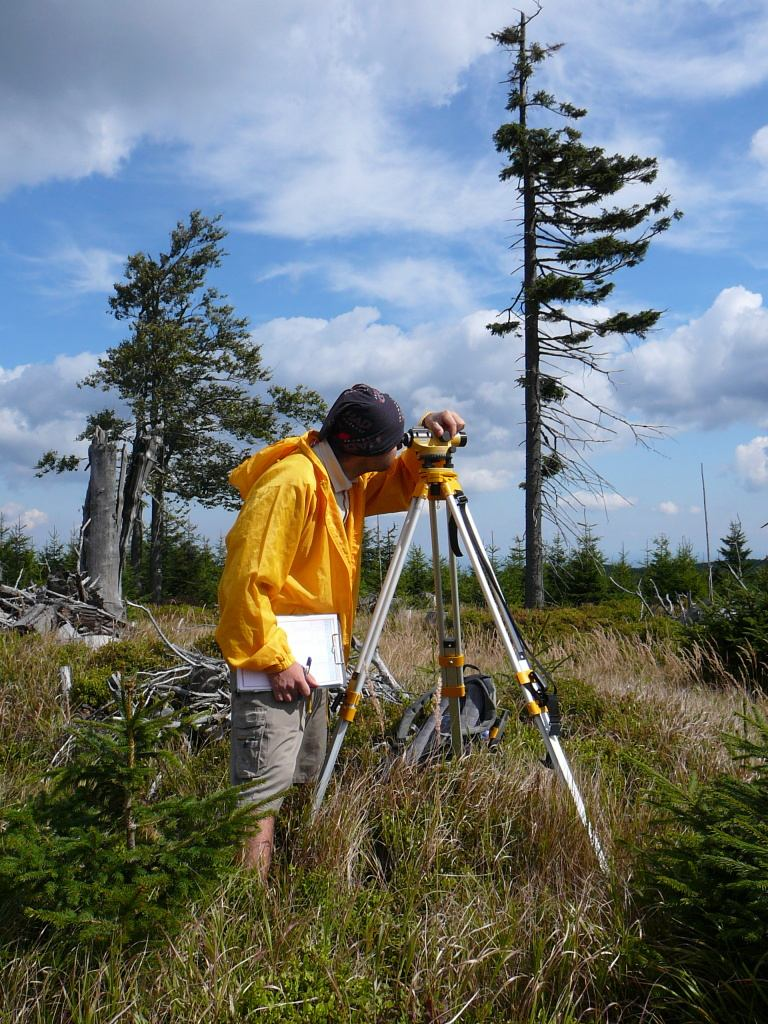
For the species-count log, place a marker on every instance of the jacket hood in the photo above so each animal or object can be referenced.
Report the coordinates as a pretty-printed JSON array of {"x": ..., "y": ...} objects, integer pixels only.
[{"x": 244, "y": 476}]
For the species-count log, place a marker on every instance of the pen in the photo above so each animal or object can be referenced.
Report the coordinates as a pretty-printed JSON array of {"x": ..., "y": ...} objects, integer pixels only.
[{"x": 306, "y": 673}]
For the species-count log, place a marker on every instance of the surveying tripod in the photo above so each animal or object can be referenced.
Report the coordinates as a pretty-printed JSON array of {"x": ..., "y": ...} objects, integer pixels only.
[{"x": 438, "y": 482}]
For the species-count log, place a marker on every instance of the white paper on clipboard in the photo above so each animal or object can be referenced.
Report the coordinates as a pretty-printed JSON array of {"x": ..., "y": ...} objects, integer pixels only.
[{"x": 309, "y": 636}]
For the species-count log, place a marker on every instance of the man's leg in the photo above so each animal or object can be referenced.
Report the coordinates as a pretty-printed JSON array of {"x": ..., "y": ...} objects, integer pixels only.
[
  {"x": 265, "y": 740},
  {"x": 256, "y": 854}
]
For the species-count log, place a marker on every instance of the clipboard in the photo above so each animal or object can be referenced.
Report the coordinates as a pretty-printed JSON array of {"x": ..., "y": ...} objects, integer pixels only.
[{"x": 309, "y": 636}]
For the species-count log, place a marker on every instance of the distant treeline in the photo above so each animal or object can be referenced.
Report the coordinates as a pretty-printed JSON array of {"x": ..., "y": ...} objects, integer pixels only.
[
  {"x": 575, "y": 574},
  {"x": 191, "y": 564}
]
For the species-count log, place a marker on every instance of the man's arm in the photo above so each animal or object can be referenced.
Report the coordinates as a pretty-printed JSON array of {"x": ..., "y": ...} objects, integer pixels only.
[{"x": 261, "y": 548}]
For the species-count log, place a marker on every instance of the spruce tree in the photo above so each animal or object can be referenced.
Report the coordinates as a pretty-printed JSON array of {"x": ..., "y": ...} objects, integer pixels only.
[
  {"x": 672, "y": 576},
  {"x": 701, "y": 878},
  {"x": 191, "y": 568},
  {"x": 573, "y": 239},
  {"x": 417, "y": 578},
  {"x": 556, "y": 571},
  {"x": 659, "y": 569},
  {"x": 733, "y": 551},
  {"x": 370, "y": 578},
  {"x": 585, "y": 579},
  {"x": 689, "y": 580},
  {"x": 621, "y": 572},
  {"x": 95, "y": 856},
  {"x": 18, "y": 562},
  {"x": 470, "y": 592},
  {"x": 56, "y": 557},
  {"x": 736, "y": 625},
  {"x": 512, "y": 573}
]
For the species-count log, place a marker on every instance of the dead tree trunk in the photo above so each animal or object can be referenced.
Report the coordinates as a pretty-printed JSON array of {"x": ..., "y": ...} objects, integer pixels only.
[
  {"x": 157, "y": 529},
  {"x": 141, "y": 463},
  {"x": 100, "y": 557},
  {"x": 137, "y": 549},
  {"x": 110, "y": 511},
  {"x": 157, "y": 523}
]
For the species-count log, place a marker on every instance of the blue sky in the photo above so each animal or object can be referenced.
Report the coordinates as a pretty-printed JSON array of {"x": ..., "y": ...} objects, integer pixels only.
[{"x": 348, "y": 147}]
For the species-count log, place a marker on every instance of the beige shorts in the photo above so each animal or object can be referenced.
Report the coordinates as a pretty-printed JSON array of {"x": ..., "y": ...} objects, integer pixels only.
[{"x": 275, "y": 744}]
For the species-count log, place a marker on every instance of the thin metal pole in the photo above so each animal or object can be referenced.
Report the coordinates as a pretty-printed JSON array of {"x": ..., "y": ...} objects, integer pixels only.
[
  {"x": 706, "y": 532},
  {"x": 450, "y": 677}
]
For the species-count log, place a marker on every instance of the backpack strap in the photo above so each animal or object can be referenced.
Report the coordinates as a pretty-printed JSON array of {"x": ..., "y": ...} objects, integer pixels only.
[{"x": 412, "y": 712}]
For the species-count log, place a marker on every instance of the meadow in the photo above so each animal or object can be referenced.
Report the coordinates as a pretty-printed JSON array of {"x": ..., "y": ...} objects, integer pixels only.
[{"x": 463, "y": 891}]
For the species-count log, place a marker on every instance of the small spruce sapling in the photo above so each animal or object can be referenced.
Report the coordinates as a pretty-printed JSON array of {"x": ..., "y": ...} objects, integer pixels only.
[
  {"x": 94, "y": 856},
  {"x": 702, "y": 877}
]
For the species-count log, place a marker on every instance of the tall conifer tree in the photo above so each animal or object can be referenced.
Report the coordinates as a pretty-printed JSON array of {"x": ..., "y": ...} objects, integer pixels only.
[{"x": 572, "y": 243}]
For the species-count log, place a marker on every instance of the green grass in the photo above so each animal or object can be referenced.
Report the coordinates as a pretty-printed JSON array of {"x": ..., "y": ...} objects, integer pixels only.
[{"x": 465, "y": 892}]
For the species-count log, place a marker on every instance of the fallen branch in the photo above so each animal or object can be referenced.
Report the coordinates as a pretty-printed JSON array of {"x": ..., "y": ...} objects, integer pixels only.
[{"x": 70, "y": 608}]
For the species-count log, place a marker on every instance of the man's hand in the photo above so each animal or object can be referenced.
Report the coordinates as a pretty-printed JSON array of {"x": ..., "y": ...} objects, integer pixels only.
[
  {"x": 292, "y": 683},
  {"x": 441, "y": 422}
]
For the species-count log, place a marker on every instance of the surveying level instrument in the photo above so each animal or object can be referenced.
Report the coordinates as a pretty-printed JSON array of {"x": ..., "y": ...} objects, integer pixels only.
[{"x": 438, "y": 482}]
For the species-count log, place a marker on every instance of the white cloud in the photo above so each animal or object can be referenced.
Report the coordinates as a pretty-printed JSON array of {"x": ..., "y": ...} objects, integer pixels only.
[
  {"x": 752, "y": 463},
  {"x": 687, "y": 49},
  {"x": 692, "y": 378},
  {"x": 6, "y": 376},
  {"x": 490, "y": 468},
  {"x": 447, "y": 364},
  {"x": 695, "y": 375},
  {"x": 30, "y": 518},
  {"x": 434, "y": 365},
  {"x": 308, "y": 110},
  {"x": 344, "y": 350},
  {"x": 296, "y": 106},
  {"x": 76, "y": 269},
  {"x": 294, "y": 271},
  {"x": 708, "y": 373},
  {"x": 759, "y": 145},
  {"x": 608, "y": 502},
  {"x": 408, "y": 283},
  {"x": 42, "y": 408}
]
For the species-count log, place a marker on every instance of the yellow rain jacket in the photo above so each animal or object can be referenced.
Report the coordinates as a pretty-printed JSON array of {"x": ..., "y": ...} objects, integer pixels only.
[{"x": 291, "y": 553}]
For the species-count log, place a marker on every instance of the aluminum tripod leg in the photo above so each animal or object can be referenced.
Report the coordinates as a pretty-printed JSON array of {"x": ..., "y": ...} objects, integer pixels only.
[
  {"x": 476, "y": 554},
  {"x": 370, "y": 643},
  {"x": 452, "y": 675}
]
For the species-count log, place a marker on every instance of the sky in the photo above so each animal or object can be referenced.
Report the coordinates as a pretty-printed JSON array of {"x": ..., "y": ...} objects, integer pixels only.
[{"x": 348, "y": 148}]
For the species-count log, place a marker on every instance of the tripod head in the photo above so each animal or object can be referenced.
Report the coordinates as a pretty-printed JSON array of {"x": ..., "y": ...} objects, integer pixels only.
[{"x": 433, "y": 451}]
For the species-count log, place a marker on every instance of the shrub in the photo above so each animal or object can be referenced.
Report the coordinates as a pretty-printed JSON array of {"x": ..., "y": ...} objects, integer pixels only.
[
  {"x": 703, "y": 881},
  {"x": 736, "y": 624},
  {"x": 91, "y": 687},
  {"x": 539, "y": 628},
  {"x": 93, "y": 857}
]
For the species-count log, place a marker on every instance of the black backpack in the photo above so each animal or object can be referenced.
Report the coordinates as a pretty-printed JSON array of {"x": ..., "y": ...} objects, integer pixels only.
[{"x": 481, "y": 722}]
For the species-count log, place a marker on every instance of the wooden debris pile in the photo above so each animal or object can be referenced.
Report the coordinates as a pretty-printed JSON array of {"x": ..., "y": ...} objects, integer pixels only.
[
  {"x": 197, "y": 687},
  {"x": 71, "y": 607}
]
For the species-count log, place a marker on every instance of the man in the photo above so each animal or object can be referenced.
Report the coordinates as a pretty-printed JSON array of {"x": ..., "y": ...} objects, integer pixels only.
[{"x": 295, "y": 550}]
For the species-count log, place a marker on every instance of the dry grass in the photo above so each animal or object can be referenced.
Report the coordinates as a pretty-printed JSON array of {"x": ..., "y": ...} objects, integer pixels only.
[{"x": 466, "y": 892}]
